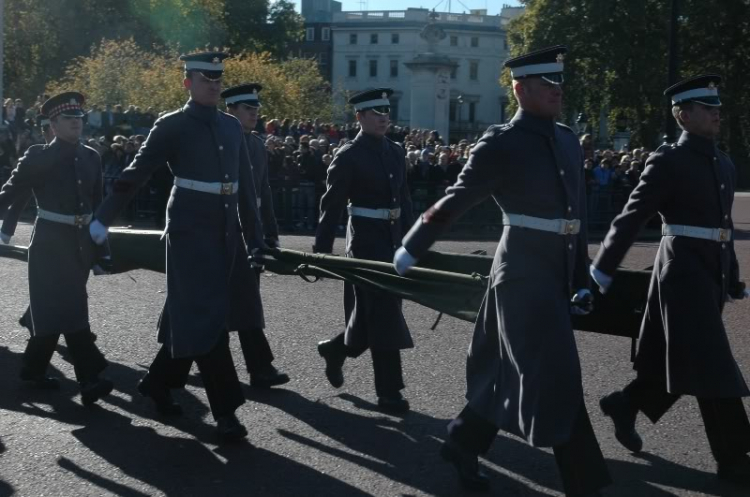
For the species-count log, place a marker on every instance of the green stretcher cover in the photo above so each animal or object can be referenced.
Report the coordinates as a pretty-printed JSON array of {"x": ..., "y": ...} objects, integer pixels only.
[{"x": 454, "y": 284}]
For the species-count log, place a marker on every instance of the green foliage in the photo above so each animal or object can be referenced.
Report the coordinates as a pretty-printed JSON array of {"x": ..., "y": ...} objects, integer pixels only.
[
  {"x": 618, "y": 58},
  {"x": 122, "y": 72},
  {"x": 43, "y": 37}
]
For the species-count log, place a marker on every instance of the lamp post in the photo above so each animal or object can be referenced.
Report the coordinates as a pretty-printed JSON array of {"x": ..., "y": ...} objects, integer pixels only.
[
  {"x": 671, "y": 127},
  {"x": 460, "y": 101},
  {"x": 582, "y": 123},
  {"x": 621, "y": 138}
]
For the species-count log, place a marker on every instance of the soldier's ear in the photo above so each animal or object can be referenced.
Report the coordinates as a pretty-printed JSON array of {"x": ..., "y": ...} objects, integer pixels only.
[{"x": 187, "y": 83}]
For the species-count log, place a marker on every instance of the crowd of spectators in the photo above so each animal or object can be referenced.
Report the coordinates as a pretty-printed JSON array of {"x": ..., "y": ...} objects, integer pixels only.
[{"x": 299, "y": 153}]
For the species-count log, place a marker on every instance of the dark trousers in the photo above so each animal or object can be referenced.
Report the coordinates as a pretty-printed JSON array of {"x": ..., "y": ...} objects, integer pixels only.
[
  {"x": 386, "y": 365},
  {"x": 580, "y": 460},
  {"x": 725, "y": 419},
  {"x": 217, "y": 372},
  {"x": 255, "y": 349},
  {"x": 88, "y": 361}
]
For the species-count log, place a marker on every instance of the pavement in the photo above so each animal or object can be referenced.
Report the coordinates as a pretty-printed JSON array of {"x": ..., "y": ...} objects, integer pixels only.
[{"x": 308, "y": 438}]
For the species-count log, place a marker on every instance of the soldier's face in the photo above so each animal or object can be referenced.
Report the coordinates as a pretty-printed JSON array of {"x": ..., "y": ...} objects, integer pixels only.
[
  {"x": 67, "y": 128},
  {"x": 702, "y": 120},
  {"x": 246, "y": 115},
  {"x": 373, "y": 123},
  {"x": 540, "y": 97},
  {"x": 203, "y": 90}
]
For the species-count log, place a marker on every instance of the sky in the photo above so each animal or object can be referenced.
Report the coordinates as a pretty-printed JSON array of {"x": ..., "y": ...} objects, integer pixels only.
[{"x": 493, "y": 6}]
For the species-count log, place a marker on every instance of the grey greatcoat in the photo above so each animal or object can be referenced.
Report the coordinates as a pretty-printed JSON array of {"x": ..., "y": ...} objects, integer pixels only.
[
  {"x": 683, "y": 344},
  {"x": 523, "y": 372},
  {"x": 66, "y": 178},
  {"x": 202, "y": 144},
  {"x": 246, "y": 306},
  {"x": 368, "y": 172}
]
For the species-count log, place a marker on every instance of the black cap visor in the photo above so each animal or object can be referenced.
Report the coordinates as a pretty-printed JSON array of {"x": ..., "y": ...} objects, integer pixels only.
[
  {"x": 383, "y": 110},
  {"x": 211, "y": 75},
  {"x": 73, "y": 113},
  {"x": 709, "y": 101}
]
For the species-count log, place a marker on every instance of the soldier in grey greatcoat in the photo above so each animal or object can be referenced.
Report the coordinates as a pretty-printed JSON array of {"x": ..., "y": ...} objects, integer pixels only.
[
  {"x": 683, "y": 347},
  {"x": 369, "y": 173},
  {"x": 246, "y": 306},
  {"x": 206, "y": 151},
  {"x": 65, "y": 176},
  {"x": 12, "y": 215},
  {"x": 523, "y": 372}
]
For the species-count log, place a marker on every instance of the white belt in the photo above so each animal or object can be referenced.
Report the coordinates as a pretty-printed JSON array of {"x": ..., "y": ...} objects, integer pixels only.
[
  {"x": 385, "y": 214},
  {"x": 559, "y": 226},
  {"x": 73, "y": 220},
  {"x": 713, "y": 234},
  {"x": 202, "y": 186}
]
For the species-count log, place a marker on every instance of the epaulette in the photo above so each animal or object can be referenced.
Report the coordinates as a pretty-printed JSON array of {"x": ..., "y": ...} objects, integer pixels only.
[
  {"x": 497, "y": 130},
  {"x": 565, "y": 127}
]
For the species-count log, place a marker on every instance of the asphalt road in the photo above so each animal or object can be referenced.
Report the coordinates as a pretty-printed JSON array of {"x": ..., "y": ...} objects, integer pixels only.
[{"x": 309, "y": 438}]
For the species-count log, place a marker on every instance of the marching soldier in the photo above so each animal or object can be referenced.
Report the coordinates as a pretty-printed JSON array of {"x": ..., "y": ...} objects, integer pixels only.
[
  {"x": 523, "y": 372},
  {"x": 683, "y": 347},
  {"x": 65, "y": 176},
  {"x": 370, "y": 174},
  {"x": 10, "y": 220},
  {"x": 206, "y": 151},
  {"x": 246, "y": 307}
]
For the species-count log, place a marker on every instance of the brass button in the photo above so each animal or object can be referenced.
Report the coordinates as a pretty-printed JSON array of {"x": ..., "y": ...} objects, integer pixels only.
[
  {"x": 226, "y": 176},
  {"x": 723, "y": 245},
  {"x": 726, "y": 216},
  {"x": 221, "y": 147},
  {"x": 80, "y": 182},
  {"x": 570, "y": 246},
  {"x": 393, "y": 222},
  {"x": 394, "y": 199},
  {"x": 570, "y": 209},
  {"x": 226, "y": 206},
  {"x": 722, "y": 186},
  {"x": 390, "y": 176},
  {"x": 562, "y": 173}
]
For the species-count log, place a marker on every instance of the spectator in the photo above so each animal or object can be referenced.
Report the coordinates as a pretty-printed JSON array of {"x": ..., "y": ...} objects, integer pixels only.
[
  {"x": 94, "y": 119},
  {"x": 603, "y": 173}
]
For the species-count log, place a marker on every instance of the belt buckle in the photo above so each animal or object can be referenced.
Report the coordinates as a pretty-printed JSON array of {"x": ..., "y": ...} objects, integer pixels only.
[
  {"x": 723, "y": 235},
  {"x": 392, "y": 214},
  {"x": 226, "y": 188},
  {"x": 570, "y": 227},
  {"x": 78, "y": 220}
]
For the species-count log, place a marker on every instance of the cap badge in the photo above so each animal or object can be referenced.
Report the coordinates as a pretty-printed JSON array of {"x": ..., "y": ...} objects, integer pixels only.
[
  {"x": 384, "y": 95},
  {"x": 255, "y": 91},
  {"x": 560, "y": 58},
  {"x": 73, "y": 101},
  {"x": 712, "y": 85},
  {"x": 216, "y": 61}
]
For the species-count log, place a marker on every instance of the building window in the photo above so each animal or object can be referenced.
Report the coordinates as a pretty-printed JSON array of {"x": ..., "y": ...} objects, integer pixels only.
[
  {"x": 454, "y": 41},
  {"x": 374, "y": 39},
  {"x": 454, "y": 72},
  {"x": 472, "y": 111},
  {"x": 474, "y": 41},
  {"x": 325, "y": 34},
  {"x": 474, "y": 70},
  {"x": 394, "y": 69},
  {"x": 452, "y": 111},
  {"x": 373, "y": 68},
  {"x": 395, "y": 38},
  {"x": 323, "y": 59},
  {"x": 353, "y": 39},
  {"x": 310, "y": 34},
  {"x": 352, "y": 68},
  {"x": 394, "y": 110}
]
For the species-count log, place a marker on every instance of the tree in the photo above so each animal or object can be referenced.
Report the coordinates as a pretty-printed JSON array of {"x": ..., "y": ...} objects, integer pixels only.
[
  {"x": 618, "y": 53},
  {"x": 122, "y": 72}
]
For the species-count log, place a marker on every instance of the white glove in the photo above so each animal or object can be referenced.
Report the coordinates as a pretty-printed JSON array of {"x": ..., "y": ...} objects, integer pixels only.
[
  {"x": 403, "y": 261},
  {"x": 602, "y": 280},
  {"x": 5, "y": 238},
  {"x": 98, "y": 232},
  {"x": 580, "y": 296}
]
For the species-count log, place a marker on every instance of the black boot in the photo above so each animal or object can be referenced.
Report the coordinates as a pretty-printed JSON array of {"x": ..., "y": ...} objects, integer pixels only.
[
  {"x": 467, "y": 465},
  {"x": 617, "y": 407},
  {"x": 394, "y": 404},
  {"x": 42, "y": 382},
  {"x": 94, "y": 389},
  {"x": 328, "y": 349},
  {"x": 230, "y": 429},
  {"x": 268, "y": 377},
  {"x": 737, "y": 472},
  {"x": 162, "y": 397}
]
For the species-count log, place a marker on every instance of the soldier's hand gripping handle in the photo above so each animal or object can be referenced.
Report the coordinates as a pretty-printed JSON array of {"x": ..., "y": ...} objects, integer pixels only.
[
  {"x": 582, "y": 302},
  {"x": 5, "y": 238},
  {"x": 403, "y": 261},
  {"x": 98, "y": 232}
]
